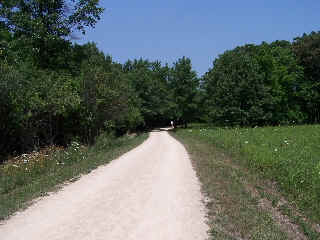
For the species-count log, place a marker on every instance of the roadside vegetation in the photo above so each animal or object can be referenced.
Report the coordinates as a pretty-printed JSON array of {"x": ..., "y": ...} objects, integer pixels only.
[
  {"x": 54, "y": 92},
  {"x": 29, "y": 176},
  {"x": 262, "y": 183}
]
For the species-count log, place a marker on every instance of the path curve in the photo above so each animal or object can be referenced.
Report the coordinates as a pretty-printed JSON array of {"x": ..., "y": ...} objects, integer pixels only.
[{"x": 149, "y": 193}]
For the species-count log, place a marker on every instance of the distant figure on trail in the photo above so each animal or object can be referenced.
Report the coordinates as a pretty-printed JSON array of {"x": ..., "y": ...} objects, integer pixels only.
[{"x": 172, "y": 124}]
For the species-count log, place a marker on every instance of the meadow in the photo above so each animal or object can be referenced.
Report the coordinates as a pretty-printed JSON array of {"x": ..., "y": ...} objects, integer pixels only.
[{"x": 287, "y": 157}]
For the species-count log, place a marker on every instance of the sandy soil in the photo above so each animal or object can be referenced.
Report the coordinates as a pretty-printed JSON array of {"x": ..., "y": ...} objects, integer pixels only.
[{"x": 149, "y": 193}]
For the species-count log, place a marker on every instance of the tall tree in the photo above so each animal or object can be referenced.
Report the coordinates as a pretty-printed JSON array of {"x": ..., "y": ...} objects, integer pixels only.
[
  {"x": 184, "y": 83},
  {"x": 43, "y": 26},
  {"x": 254, "y": 85},
  {"x": 307, "y": 50},
  {"x": 150, "y": 81}
]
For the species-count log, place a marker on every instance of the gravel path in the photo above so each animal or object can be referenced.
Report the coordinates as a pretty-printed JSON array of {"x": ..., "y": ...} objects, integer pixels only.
[{"x": 149, "y": 193}]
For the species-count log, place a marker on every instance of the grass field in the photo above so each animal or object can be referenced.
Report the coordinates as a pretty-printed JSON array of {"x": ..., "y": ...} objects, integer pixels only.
[
  {"x": 33, "y": 175},
  {"x": 259, "y": 175}
]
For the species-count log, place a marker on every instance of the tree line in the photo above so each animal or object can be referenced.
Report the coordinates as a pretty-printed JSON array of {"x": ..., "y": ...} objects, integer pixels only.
[
  {"x": 53, "y": 91},
  {"x": 266, "y": 84}
]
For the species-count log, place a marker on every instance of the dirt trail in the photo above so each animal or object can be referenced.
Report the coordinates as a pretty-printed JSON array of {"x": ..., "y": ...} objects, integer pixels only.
[{"x": 149, "y": 193}]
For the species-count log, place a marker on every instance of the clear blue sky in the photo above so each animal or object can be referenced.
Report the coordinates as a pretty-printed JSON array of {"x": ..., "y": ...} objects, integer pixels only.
[{"x": 167, "y": 30}]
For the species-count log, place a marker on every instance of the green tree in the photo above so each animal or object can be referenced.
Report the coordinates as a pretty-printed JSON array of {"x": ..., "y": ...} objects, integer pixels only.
[
  {"x": 283, "y": 76},
  {"x": 236, "y": 94},
  {"x": 184, "y": 84},
  {"x": 5, "y": 39},
  {"x": 307, "y": 50},
  {"x": 42, "y": 27},
  {"x": 108, "y": 99},
  {"x": 150, "y": 81},
  {"x": 255, "y": 85}
]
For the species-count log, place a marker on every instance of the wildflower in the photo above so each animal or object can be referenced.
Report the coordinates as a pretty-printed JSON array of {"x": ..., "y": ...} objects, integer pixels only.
[
  {"x": 276, "y": 149},
  {"x": 246, "y": 142}
]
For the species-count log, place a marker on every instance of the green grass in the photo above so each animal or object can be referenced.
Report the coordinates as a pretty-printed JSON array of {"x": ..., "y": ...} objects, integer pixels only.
[
  {"x": 36, "y": 174},
  {"x": 238, "y": 167},
  {"x": 288, "y": 155}
]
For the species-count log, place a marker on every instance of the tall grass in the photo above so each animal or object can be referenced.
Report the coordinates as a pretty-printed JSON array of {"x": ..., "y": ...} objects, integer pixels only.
[{"x": 289, "y": 155}]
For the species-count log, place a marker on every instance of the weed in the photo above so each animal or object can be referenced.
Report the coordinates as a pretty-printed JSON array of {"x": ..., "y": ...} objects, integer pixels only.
[
  {"x": 33, "y": 175},
  {"x": 289, "y": 155},
  {"x": 242, "y": 171}
]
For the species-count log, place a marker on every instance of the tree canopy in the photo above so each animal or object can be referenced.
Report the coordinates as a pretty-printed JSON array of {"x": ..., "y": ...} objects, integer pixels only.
[
  {"x": 53, "y": 91},
  {"x": 184, "y": 83},
  {"x": 307, "y": 50},
  {"x": 255, "y": 85},
  {"x": 41, "y": 28}
]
